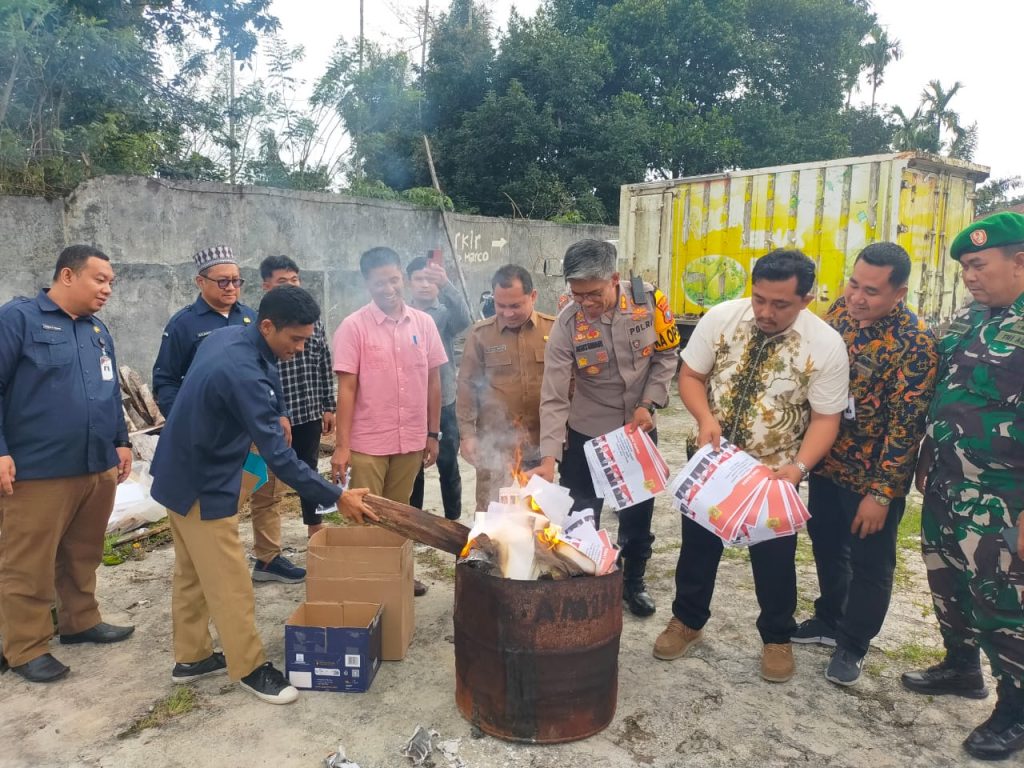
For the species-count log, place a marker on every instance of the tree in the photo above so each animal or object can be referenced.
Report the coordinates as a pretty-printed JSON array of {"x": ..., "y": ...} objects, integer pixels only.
[
  {"x": 880, "y": 51},
  {"x": 935, "y": 100},
  {"x": 996, "y": 195},
  {"x": 82, "y": 92}
]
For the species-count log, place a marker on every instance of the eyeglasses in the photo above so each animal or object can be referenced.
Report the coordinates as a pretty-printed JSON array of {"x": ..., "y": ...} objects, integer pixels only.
[
  {"x": 224, "y": 282},
  {"x": 588, "y": 296}
]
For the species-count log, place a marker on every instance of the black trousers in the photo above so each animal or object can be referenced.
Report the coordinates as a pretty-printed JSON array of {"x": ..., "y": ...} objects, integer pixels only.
[
  {"x": 447, "y": 467},
  {"x": 774, "y": 566},
  {"x": 854, "y": 574},
  {"x": 635, "y": 537},
  {"x": 306, "y": 444}
]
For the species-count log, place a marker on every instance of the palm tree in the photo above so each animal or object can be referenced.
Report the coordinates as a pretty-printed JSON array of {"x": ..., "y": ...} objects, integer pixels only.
[
  {"x": 879, "y": 52},
  {"x": 913, "y": 132},
  {"x": 935, "y": 99}
]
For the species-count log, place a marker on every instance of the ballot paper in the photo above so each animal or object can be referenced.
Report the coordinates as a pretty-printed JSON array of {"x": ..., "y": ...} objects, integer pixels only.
[
  {"x": 736, "y": 497},
  {"x": 626, "y": 467}
]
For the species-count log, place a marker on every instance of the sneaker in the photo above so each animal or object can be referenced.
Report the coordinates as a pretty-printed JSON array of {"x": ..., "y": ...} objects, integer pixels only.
[
  {"x": 676, "y": 641},
  {"x": 777, "y": 664},
  {"x": 279, "y": 569},
  {"x": 814, "y": 630},
  {"x": 269, "y": 685},
  {"x": 844, "y": 667},
  {"x": 211, "y": 665}
]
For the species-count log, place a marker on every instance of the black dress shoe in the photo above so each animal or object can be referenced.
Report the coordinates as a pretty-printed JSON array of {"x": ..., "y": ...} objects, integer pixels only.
[
  {"x": 101, "y": 633},
  {"x": 638, "y": 600},
  {"x": 943, "y": 679},
  {"x": 42, "y": 669}
]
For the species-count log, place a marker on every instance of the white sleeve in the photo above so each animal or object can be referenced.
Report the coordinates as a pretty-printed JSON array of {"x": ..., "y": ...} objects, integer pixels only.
[
  {"x": 829, "y": 389},
  {"x": 699, "y": 352}
]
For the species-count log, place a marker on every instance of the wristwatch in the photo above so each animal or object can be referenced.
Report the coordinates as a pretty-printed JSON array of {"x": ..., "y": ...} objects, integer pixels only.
[
  {"x": 884, "y": 501},
  {"x": 435, "y": 435},
  {"x": 122, "y": 444},
  {"x": 651, "y": 408}
]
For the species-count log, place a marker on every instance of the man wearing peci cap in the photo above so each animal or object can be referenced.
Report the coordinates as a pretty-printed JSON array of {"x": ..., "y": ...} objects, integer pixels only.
[
  {"x": 218, "y": 306},
  {"x": 972, "y": 461}
]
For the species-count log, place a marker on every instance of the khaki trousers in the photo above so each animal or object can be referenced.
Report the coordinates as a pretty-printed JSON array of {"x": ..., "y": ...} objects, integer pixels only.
[
  {"x": 266, "y": 518},
  {"x": 212, "y": 580},
  {"x": 51, "y": 540},
  {"x": 389, "y": 476}
]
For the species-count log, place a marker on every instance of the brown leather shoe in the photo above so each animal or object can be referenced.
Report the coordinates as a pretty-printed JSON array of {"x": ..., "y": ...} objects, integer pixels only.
[
  {"x": 777, "y": 664},
  {"x": 676, "y": 640}
]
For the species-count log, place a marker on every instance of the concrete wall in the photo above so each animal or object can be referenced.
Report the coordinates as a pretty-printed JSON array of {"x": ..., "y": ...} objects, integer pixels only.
[{"x": 150, "y": 228}]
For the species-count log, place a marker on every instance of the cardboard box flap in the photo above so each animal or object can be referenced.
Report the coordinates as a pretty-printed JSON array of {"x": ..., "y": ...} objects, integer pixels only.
[{"x": 342, "y": 615}]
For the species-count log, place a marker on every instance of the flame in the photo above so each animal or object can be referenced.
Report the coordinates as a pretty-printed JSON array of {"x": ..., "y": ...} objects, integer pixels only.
[
  {"x": 550, "y": 536},
  {"x": 519, "y": 477}
]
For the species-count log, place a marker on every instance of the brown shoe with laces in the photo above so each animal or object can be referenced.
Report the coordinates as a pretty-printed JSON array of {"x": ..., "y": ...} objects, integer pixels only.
[
  {"x": 777, "y": 664},
  {"x": 676, "y": 641}
]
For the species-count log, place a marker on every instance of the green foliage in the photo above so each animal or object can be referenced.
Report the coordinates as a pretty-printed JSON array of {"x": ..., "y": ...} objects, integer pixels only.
[
  {"x": 996, "y": 195},
  {"x": 588, "y": 95},
  {"x": 81, "y": 87}
]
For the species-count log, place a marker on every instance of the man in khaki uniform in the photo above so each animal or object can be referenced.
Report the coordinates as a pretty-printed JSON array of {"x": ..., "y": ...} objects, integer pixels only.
[
  {"x": 498, "y": 397},
  {"x": 619, "y": 342}
]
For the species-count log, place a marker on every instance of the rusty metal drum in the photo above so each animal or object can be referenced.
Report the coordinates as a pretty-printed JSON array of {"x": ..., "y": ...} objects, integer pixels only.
[{"x": 537, "y": 661}]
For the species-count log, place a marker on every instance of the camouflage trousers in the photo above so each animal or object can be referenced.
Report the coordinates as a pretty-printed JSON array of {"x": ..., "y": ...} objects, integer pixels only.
[{"x": 977, "y": 584}]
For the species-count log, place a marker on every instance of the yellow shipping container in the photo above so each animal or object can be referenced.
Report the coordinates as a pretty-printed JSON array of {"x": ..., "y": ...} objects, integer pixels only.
[{"x": 699, "y": 237}]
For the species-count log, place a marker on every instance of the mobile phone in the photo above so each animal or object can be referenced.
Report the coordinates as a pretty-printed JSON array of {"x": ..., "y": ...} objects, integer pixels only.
[
  {"x": 436, "y": 256},
  {"x": 1010, "y": 537}
]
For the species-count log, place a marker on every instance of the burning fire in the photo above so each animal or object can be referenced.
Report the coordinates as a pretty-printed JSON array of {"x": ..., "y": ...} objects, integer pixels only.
[{"x": 550, "y": 536}]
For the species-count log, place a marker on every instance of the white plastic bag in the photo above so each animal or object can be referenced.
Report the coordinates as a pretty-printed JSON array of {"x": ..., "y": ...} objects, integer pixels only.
[{"x": 133, "y": 506}]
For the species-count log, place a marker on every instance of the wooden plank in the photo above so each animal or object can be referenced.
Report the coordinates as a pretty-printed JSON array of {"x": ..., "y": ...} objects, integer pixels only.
[
  {"x": 438, "y": 532},
  {"x": 141, "y": 395},
  {"x": 147, "y": 532}
]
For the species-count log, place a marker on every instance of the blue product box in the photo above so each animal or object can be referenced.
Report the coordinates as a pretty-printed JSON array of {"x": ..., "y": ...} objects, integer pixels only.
[{"x": 333, "y": 646}]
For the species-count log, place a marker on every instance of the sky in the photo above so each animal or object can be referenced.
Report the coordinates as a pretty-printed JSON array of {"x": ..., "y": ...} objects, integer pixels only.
[{"x": 976, "y": 43}]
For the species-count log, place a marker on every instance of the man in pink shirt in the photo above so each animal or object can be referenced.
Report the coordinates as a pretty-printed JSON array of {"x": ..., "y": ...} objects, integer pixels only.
[{"x": 388, "y": 358}]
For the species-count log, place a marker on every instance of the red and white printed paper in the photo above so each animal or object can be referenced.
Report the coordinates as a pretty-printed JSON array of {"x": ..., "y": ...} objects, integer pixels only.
[
  {"x": 736, "y": 497},
  {"x": 626, "y": 467}
]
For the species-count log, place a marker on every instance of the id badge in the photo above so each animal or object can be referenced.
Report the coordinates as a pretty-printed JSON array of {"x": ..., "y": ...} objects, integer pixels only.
[
  {"x": 851, "y": 409},
  {"x": 106, "y": 368}
]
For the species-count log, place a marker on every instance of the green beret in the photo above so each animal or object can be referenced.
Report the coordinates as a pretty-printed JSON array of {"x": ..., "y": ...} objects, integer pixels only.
[{"x": 991, "y": 232}]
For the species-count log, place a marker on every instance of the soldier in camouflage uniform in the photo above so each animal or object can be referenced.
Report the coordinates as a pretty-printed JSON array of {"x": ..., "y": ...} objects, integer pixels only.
[{"x": 971, "y": 470}]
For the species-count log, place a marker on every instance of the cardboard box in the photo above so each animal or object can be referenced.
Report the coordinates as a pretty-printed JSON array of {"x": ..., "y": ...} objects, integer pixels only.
[
  {"x": 333, "y": 647},
  {"x": 365, "y": 565}
]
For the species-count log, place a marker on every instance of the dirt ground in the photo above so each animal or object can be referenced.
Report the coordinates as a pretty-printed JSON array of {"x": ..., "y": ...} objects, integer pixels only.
[{"x": 707, "y": 710}]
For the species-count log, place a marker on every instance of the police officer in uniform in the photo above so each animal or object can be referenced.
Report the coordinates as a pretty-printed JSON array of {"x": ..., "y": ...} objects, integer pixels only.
[
  {"x": 619, "y": 342},
  {"x": 218, "y": 306},
  {"x": 970, "y": 472},
  {"x": 498, "y": 395}
]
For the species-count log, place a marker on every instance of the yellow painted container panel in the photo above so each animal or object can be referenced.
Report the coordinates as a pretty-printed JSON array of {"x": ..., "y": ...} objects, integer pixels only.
[{"x": 721, "y": 224}]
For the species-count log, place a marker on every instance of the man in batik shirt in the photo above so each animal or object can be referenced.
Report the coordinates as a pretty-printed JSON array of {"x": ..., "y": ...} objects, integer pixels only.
[
  {"x": 772, "y": 378},
  {"x": 857, "y": 495}
]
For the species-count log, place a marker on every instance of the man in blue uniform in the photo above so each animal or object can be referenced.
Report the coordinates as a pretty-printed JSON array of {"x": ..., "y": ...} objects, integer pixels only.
[
  {"x": 218, "y": 306},
  {"x": 63, "y": 450},
  {"x": 231, "y": 399}
]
